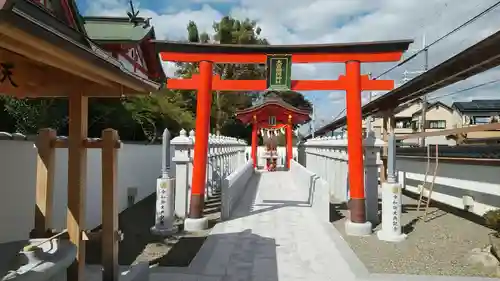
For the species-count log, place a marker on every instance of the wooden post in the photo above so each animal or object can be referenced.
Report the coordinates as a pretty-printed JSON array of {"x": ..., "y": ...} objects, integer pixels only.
[
  {"x": 45, "y": 172},
  {"x": 203, "y": 104},
  {"x": 289, "y": 140},
  {"x": 355, "y": 143},
  {"x": 254, "y": 141},
  {"x": 109, "y": 206},
  {"x": 77, "y": 176}
]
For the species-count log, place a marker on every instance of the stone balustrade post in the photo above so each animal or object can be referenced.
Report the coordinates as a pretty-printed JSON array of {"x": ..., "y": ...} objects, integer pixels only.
[
  {"x": 229, "y": 147},
  {"x": 220, "y": 167},
  {"x": 191, "y": 156},
  {"x": 232, "y": 163},
  {"x": 210, "y": 188},
  {"x": 182, "y": 145},
  {"x": 224, "y": 156},
  {"x": 242, "y": 155},
  {"x": 214, "y": 163},
  {"x": 237, "y": 153},
  {"x": 372, "y": 148},
  {"x": 301, "y": 154}
]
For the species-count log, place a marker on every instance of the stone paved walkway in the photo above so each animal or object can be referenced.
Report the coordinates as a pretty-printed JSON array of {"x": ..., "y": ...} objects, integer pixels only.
[{"x": 273, "y": 236}]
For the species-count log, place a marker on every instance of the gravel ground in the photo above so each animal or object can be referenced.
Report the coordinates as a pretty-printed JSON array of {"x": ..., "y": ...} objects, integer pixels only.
[
  {"x": 439, "y": 246},
  {"x": 140, "y": 245}
]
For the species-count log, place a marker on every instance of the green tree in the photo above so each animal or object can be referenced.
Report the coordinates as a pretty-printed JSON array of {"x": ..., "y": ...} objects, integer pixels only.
[
  {"x": 296, "y": 99},
  {"x": 29, "y": 115},
  {"x": 227, "y": 31}
]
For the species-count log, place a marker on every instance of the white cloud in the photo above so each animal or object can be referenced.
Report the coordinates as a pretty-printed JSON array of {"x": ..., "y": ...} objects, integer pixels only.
[{"x": 336, "y": 21}]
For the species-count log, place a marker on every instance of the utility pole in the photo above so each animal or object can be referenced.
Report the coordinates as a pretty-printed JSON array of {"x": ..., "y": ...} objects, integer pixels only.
[
  {"x": 424, "y": 97},
  {"x": 313, "y": 118},
  {"x": 423, "y": 110}
]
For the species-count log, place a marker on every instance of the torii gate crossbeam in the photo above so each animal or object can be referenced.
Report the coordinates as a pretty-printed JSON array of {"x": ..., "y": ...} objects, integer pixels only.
[{"x": 352, "y": 55}]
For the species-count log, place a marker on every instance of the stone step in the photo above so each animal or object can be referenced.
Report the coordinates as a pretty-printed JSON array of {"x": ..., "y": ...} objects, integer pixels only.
[{"x": 212, "y": 204}]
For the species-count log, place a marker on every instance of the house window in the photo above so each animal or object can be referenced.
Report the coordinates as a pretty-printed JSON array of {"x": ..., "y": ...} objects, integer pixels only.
[
  {"x": 403, "y": 123},
  {"x": 436, "y": 124},
  {"x": 479, "y": 120},
  {"x": 414, "y": 125}
]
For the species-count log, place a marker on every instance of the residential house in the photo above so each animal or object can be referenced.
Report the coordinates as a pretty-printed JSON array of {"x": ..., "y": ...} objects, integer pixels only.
[
  {"x": 408, "y": 117},
  {"x": 403, "y": 119},
  {"x": 438, "y": 117},
  {"x": 477, "y": 112}
]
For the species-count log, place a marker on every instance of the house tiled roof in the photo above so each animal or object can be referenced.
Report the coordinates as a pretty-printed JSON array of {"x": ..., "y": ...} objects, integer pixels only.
[
  {"x": 429, "y": 106},
  {"x": 478, "y": 106}
]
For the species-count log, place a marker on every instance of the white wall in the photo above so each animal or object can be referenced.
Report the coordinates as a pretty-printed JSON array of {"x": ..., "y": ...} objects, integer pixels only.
[
  {"x": 17, "y": 193},
  {"x": 138, "y": 166},
  {"x": 453, "y": 181}
]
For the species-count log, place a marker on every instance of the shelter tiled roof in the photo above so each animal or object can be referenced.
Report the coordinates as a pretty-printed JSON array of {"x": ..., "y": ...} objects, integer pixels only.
[{"x": 116, "y": 29}]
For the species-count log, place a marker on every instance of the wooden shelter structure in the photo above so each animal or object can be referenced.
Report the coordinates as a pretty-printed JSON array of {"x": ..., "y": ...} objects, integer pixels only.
[
  {"x": 45, "y": 53},
  {"x": 273, "y": 112},
  {"x": 278, "y": 60},
  {"x": 128, "y": 41}
]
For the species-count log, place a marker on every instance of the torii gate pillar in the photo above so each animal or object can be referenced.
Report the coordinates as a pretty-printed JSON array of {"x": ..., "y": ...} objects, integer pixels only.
[
  {"x": 196, "y": 221},
  {"x": 254, "y": 141},
  {"x": 357, "y": 224}
]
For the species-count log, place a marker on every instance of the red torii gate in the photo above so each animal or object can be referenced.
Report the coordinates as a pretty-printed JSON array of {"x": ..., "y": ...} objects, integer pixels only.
[
  {"x": 352, "y": 54},
  {"x": 273, "y": 113}
]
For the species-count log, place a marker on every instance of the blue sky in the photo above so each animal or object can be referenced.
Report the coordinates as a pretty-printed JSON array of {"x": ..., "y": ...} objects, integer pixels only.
[
  {"x": 166, "y": 6},
  {"x": 332, "y": 21}
]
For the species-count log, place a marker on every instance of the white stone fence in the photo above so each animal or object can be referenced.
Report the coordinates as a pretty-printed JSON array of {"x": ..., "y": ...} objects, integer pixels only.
[
  {"x": 225, "y": 155},
  {"x": 319, "y": 195},
  {"x": 327, "y": 158},
  {"x": 234, "y": 187}
]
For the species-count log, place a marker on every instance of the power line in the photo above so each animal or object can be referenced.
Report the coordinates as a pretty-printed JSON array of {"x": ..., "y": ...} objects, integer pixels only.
[
  {"x": 340, "y": 113},
  {"x": 471, "y": 20},
  {"x": 466, "y": 89}
]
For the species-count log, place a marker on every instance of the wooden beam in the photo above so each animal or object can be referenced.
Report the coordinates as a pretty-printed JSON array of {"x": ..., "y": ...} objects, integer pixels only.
[
  {"x": 45, "y": 171},
  {"x": 31, "y": 77},
  {"x": 109, "y": 206},
  {"x": 47, "y": 53},
  {"x": 296, "y": 58},
  {"x": 31, "y": 49},
  {"x": 77, "y": 176},
  {"x": 34, "y": 79},
  {"x": 297, "y": 85}
]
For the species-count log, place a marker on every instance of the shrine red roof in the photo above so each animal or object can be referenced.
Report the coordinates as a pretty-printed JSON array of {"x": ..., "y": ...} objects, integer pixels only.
[{"x": 273, "y": 105}]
